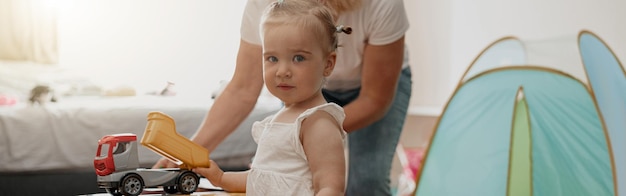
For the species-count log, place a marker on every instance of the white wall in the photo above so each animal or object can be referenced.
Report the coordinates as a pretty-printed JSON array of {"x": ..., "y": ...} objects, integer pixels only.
[
  {"x": 194, "y": 42},
  {"x": 450, "y": 33},
  {"x": 429, "y": 45}
]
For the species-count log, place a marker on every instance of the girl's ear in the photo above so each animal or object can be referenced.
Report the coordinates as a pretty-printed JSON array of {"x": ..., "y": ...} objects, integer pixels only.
[{"x": 330, "y": 64}]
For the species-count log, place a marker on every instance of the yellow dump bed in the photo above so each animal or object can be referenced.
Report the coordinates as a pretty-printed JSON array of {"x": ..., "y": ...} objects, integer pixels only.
[{"x": 161, "y": 137}]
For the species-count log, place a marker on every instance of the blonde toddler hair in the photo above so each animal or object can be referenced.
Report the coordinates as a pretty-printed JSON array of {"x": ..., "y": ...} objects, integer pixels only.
[{"x": 308, "y": 14}]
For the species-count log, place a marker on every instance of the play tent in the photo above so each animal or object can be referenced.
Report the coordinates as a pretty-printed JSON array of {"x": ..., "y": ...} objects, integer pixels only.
[{"x": 540, "y": 117}]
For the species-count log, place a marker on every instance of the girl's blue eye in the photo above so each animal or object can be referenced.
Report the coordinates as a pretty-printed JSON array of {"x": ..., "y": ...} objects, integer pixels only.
[
  {"x": 298, "y": 58},
  {"x": 272, "y": 59}
]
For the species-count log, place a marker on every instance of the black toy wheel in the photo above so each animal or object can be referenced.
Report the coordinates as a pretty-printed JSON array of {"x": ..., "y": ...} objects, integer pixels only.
[
  {"x": 187, "y": 182},
  {"x": 170, "y": 189},
  {"x": 131, "y": 184}
]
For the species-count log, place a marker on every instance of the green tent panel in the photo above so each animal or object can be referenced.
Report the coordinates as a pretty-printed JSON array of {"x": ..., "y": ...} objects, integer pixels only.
[{"x": 520, "y": 179}]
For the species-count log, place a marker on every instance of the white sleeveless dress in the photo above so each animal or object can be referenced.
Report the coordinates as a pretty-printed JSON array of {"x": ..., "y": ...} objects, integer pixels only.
[{"x": 280, "y": 166}]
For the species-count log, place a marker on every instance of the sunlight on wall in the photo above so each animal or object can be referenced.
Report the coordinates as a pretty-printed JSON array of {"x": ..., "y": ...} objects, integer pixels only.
[
  {"x": 28, "y": 31},
  {"x": 145, "y": 43}
]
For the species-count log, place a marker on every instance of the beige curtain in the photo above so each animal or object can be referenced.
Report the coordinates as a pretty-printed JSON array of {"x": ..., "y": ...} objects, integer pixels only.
[{"x": 28, "y": 31}]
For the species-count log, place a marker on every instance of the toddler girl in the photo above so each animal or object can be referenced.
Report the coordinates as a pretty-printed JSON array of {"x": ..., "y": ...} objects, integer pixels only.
[{"x": 300, "y": 148}]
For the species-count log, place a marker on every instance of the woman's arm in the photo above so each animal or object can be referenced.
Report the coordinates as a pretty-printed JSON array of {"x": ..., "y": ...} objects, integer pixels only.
[
  {"x": 237, "y": 100},
  {"x": 234, "y": 104},
  {"x": 322, "y": 141},
  {"x": 380, "y": 73}
]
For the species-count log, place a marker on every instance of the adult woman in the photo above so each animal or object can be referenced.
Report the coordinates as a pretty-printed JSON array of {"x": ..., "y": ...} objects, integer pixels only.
[{"x": 371, "y": 81}]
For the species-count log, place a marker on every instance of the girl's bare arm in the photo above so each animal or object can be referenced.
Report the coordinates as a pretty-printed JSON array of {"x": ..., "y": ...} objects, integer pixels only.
[
  {"x": 323, "y": 145},
  {"x": 234, "y": 182}
]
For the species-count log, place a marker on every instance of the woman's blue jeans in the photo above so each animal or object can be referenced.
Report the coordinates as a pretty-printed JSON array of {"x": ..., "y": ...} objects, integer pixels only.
[{"x": 372, "y": 148}]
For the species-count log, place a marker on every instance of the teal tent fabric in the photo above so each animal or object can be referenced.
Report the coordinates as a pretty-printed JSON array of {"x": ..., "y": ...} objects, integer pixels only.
[
  {"x": 504, "y": 52},
  {"x": 543, "y": 117},
  {"x": 469, "y": 153},
  {"x": 608, "y": 82}
]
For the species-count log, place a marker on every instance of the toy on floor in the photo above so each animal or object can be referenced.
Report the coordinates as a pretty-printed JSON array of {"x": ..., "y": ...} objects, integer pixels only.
[
  {"x": 41, "y": 94},
  {"x": 168, "y": 90},
  {"x": 117, "y": 162}
]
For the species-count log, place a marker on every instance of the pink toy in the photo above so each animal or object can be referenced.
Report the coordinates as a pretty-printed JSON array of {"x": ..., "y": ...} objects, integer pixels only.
[
  {"x": 410, "y": 159},
  {"x": 6, "y": 100}
]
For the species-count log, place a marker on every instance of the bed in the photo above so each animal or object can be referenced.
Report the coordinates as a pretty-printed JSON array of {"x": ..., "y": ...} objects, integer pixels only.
[{"x": 49, "y": 149}]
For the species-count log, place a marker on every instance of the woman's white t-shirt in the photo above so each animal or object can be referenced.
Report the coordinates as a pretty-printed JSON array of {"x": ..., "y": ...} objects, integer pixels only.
[{"x": 376, "y": 22}]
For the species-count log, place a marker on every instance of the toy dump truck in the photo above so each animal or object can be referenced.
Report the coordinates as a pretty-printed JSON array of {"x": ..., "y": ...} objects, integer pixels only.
[{"x": 117, "y": 161}]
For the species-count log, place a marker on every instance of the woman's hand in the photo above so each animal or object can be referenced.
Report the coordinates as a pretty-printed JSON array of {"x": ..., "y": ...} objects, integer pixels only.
[{"x": 164, "y": 163}]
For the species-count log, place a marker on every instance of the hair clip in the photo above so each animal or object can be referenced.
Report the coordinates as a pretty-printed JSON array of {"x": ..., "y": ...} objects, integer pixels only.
[
  {"x": 339, "y": 29},
  {"x": 281, "y": 1},
  {"x": 342, "y": 29}
]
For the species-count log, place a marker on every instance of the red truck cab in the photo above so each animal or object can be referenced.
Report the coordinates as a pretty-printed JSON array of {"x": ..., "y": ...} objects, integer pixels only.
[{"x": 115, "y": 153}]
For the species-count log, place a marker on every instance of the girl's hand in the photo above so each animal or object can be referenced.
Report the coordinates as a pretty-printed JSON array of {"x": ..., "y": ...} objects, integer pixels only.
[{"x": 213, "y": 173}]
